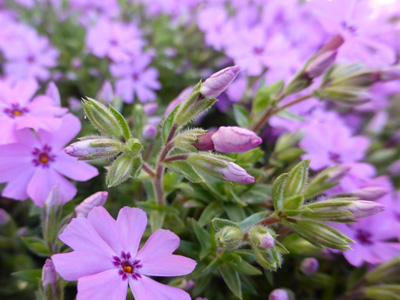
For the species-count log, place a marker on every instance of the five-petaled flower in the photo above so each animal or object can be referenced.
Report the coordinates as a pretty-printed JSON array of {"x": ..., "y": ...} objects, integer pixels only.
[{"x": 106, "y": 259}]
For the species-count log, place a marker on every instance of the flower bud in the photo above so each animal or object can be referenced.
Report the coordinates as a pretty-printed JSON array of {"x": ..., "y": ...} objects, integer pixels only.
[
  {"x": 386, "y": 272},
  {"x": 336, "y": 174},
  {"x": 334, "y": 44},
  {"x": 125, "y": 166},
  {"x": 229, "y": 237},
  {"x": 102, "y": 118},
  {"x": 106, "y": 92},
  {"x": 217, "y": 83},
  {"x": 49, "y": 277},
  {"x": 51, "y": 213},
  {"x": 346, "y": 94},
  {"x": 53, "y": 199},
  {"x": 370, "y": 193},
  {"x": 362, "y": 79},
  {"x": 309, "y": 266},
  {"x": 4, "y": 217},
  {"x": 320, "y": 64},
  {"x": 362, "y": 209},
  {"x": 188, "y": 285},
  {"x": 278, "y": 294},
  {"x": 262, "y": 236},
  {"x": 94, "y": 149},
  {"x": 204, "y": 142},
  {"x": 235, "y": 139},
  {"x": 149, "y": 132},
  {"x": 86, "y": 206},
  {"x": 219, "y": 167},
  {"x": 390, "y": 74},
  {"x": 150, "y": 108}
]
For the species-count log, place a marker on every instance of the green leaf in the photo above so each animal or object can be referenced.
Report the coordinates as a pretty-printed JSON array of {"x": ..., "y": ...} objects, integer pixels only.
[
  {"x": 253, "y": 219},
  {"x": 167, "y": 125},
  {"x": 290, "y": 154},
  {"x": 232, "y": 280},
  {"x": 149, "y": 206},
  {"x": 286, "y": 114},
  {"x": 242, "y": 266},
  {"x": 211, "y": 211},
  {"x": 296, "y": 180},
  {"x": 202, "y": 235},
  {"x": 122, "y": 122},
  {"x": 37, "y": 246},
  {"x": 241, "y": 115},
  {"x": 265, "y": 95},
  {"x": 32, "y": 276},
  {"x": 218, "y": 224},
  {"x": 380, "y": 294},
  {"x": 293, "y": 202},
  {"x": 186, "y": 170},
  {"x": 277, "y": 191}
]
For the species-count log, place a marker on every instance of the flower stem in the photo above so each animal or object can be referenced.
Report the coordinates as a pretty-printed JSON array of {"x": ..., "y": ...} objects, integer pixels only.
[
  {"x": 271, "y": 111},
  {"x": 148, "y": 170}
]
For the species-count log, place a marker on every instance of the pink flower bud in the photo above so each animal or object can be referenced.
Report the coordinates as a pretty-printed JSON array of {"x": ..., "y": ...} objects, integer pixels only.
[
  {"x": 337, "y": 174},
  {"x": 53, "y": 198},
  {"x": 218, "y": 82},
  {"x": 309, "y": 266},
  {"x": 98, "y": 199},
  {"x": 362, "y": 209},
  {"x": 4, "y": 217},
  {"x": 204, "y": 142},
  {"x": 149, "y": 132},
  {"x": 334, "y": 43},
  {"x": 320, "y": 64},
  {"x": 235, "y": 173},
  {"x": 49, "y": 275},
  {"x": 390, "y": 74},
  {"x": 267, "y": 241},
  {"x": 106, "y": 92},
  {"x": 150, "y": 108},
  {"x": 235, "y": 139},
  {"x": 94, "y": 149},
  {"x": 278, "y": 294},
  {"x": 370, "y": 193}
]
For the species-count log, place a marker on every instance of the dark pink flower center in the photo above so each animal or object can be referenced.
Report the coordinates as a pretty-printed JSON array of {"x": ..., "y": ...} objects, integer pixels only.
[
  {"x": 334, "y": 157},
  {"x": 31, "y": 59},
  {"x": 258, "y": 50},
  {"x": 364, "y": 237},
  {"x": 15, "y": 111},
  {"x": 135, "y": 76},
  {"x": 43, "y": 157},
  {"x": 348, "y": 27},
  {"x": 114, "y": 42},
  {"x": 127, "y": 266}
]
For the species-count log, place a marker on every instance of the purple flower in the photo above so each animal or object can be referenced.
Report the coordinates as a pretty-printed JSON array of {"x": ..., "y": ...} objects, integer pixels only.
[
  {"x": 29, "y": 55},
  {"x": 228, "y": 139},
  {"x": 309, "y": 266},
  {"x": 149, "y": 132},
  {"x": 34, "y": 164},
  {"x": 235, "y": 173},
  {"x": 278, "y": 294},
  {"x": 49, "y": 275},
  {"x": 267, "y": 241},
  {"x": 136, "y": 79},
  {"x": 106, "y": 259},
  {"x": 86, "y": 206},
  {"x": 18, "y": 110},
  {"x": 217, "y": 83},
  {"x": 117, "y": 41}
]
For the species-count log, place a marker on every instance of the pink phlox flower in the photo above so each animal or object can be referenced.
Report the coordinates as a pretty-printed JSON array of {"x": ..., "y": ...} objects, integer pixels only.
[
  {"x": 136, "y": 79},
  {"x": 20, "y": 109},
  {"x": 105, "y": 257},
  {"x": 36, "y": 162}
]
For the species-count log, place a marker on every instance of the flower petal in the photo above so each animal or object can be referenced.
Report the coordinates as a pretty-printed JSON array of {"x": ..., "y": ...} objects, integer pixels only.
[
  {"x": 148, "y": 289},
  {"x": 161, "y": 243},
  {"x": 81, "y": 236},
  {"x": 132, "y": 224},
  {"x": 74, "y": 169},
  {"x": 106, "y": 285},
  {"x": 74, "y": 265},
  {"x": 16, "y": 188},
  {"x": 169, "y": 265},
  {"x": 106, "y": 227}
]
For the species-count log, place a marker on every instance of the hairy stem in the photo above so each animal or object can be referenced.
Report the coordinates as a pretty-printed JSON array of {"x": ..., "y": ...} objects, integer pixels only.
[{"x": 148, "y": 170}]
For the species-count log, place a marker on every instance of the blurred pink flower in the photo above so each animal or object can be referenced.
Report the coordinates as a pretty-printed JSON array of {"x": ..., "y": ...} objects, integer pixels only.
[
  {"x": 136, "y": 79},
  {"x": 106, "y": 259},
  {"x": 19, "y": 109},
  {"x": 34, "y": 164}
]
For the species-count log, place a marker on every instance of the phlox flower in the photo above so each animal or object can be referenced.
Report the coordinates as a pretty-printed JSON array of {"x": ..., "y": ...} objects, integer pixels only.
[
  {"x": 136, "y": 80},
  {"x": 19, "y": 109},
  {"x": 116, "y": 40},
  {"x": 29, "y": 55},
  {"x": 106, "y": 259},
  {"x": 36, "y": 162}
]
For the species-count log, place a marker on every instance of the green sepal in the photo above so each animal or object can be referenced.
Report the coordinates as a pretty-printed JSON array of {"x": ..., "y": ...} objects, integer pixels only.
[
  {"x": 296, "y": 180},
  {"x": 277, "y": 191},
  {"x": 168, "y": 123},
  {"x": 218, "y": 223},
  {"x": 122, "y": 122},
  {"x": 185, "y": 169},
  {"x": 293, "y": 202}
]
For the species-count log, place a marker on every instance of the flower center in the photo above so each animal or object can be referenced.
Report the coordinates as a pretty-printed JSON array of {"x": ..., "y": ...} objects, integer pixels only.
[
  {"x": 127, "y": 266},
  {"x": 15, "y": 111},
  {"x": 258, "y": 50},
  {"x": 334, "y": 157},
  {"x": 43, "y": 157},
  {"x": 364, "y": 237},
  {"x": 348, "y": 27},
  {"x": 135, "y": 76}
]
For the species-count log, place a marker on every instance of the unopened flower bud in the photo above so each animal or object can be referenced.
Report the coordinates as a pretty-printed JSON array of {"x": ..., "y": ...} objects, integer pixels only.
[
  {"x": 362, "y": 209},
  {"x": 149, "y": 132},
  {"x": 53, "y": 199},
  {"x": 150, "y": 108},
  {"x": 390, "y": 74},
  {"x": 309, "y": 266},
  {"x": 370, "y": 193},
  {"x": 102, "y": 118},
  {"x": 336, "y": 174},
  {"x": 125, "y": 166},
  {"x": 94, "y": 149},
  {"x": 229, "y": 237},
  {"x": 386, "y": 272},
  {"x": 363, "y": 79},
  {"x": 49, "y": 277},
  {"x": 334, "y": 44},
  {"x": 188, "y": 285},
  {"x": 106, "y": 92},
  {"x": 235, "y": 173},
  {"x": 262, "y": 236},
  {"x": 217, "y": 83},
  {"x": 97, "y": 199},
  {"x": 345, "y": 94},
  {"x": 320, "y": 64},
  {"x": 4, "y": 217},
  {"x": 204, "y": 142},
  {"x": 235, "y": 139},
  {"x": 278, "y": 294}
]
